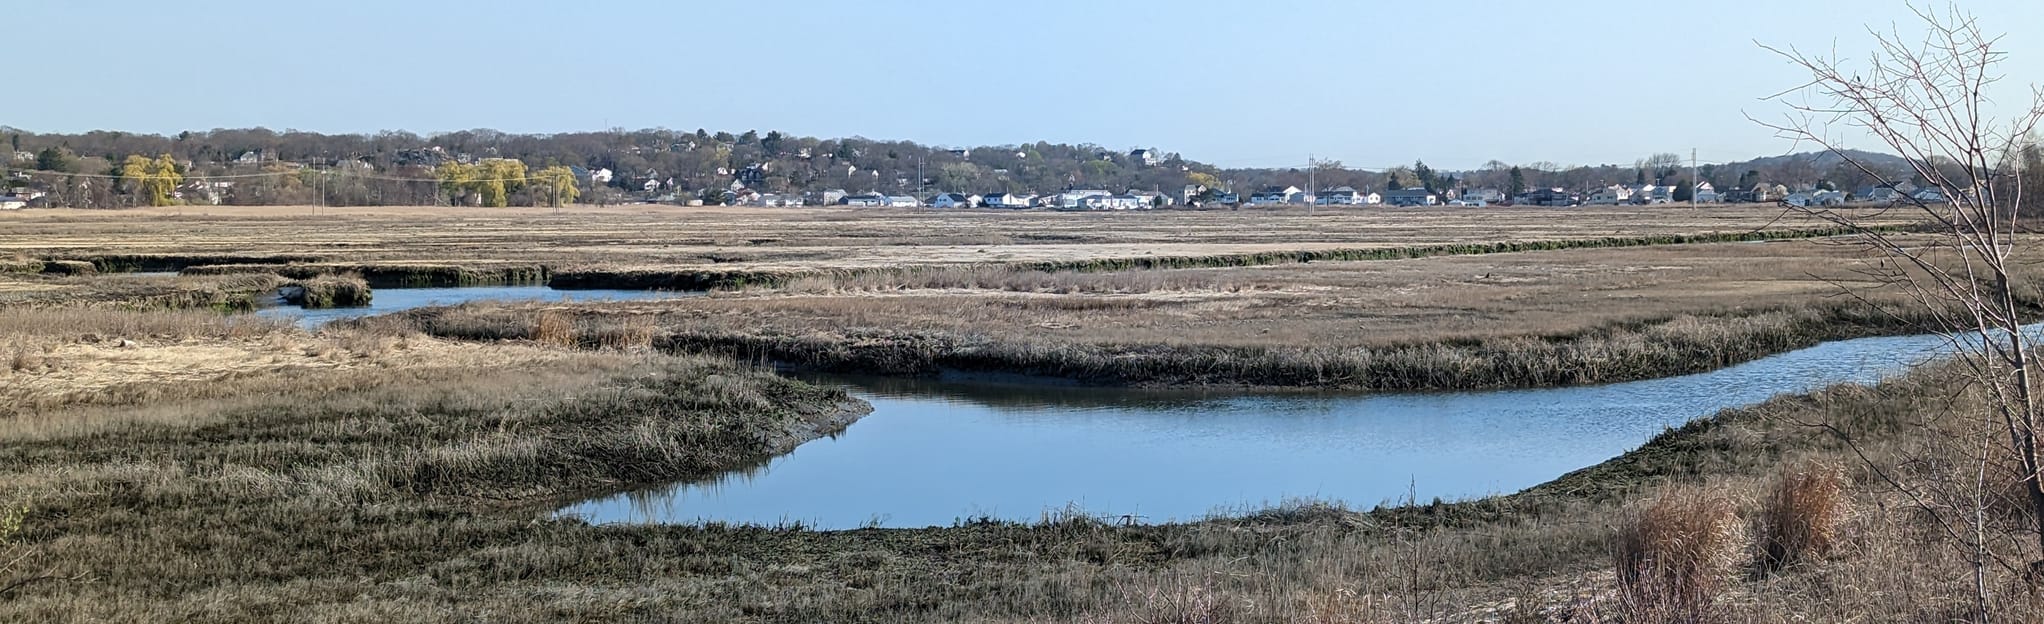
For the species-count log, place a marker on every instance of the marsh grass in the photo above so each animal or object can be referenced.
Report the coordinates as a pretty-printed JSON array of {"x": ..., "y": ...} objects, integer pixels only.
[
  {"x": 419, "y": 494},
  {"x": 1676, "y": 553},
  {"x": 1802, "y": 515},
  {"x": 329, "y": 291}
]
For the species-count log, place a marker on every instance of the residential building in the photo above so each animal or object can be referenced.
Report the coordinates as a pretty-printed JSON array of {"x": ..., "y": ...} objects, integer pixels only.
[
  {"x": 1706, "y": 194},
  {"x": 13, "y": 202},
  {"x": 1277, "y": 195},
  {"x": 1006, "y": 200},
  {"x": 864, "y": 200},
  {"x": 1547, "y": 197},
  {"x": 1347, "y": 196},
  {"x": 1609, "y": 196},
  {"x": 954, "y": 200},
  {"x": 1488, "y": 195},
  {"x": 1653, "y": 194},
  {"x": 1148, "y": 157},
  {"x": 1411, "y": 197},
  {"x": 1080, "y": 198},
  {"x": 903, "y": 201}
]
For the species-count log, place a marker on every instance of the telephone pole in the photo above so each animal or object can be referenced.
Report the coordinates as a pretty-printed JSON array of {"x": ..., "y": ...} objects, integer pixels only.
[
  {"x": 1312, "y": 184},
  {"x": 1693, "y": 180}
]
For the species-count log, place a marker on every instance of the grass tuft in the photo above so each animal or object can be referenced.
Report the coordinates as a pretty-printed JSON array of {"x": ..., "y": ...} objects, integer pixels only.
[
  {"x": 1803, "y": 515},
  {"x": 1676, "y": 553}
]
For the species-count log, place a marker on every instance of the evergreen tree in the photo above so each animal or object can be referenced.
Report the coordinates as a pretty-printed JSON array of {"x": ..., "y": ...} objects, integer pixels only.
[{"x": 1517, "y": 184}]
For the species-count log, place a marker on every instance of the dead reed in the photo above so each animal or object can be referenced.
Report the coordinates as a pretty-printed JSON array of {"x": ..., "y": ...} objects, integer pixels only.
[
  {"x": 1803, "y": 514},
  {"x": 1676, "y": 553}
]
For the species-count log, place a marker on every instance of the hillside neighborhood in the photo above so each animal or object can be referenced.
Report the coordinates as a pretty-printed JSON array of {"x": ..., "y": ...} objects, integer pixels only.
[{"x": 97, "y": 170}]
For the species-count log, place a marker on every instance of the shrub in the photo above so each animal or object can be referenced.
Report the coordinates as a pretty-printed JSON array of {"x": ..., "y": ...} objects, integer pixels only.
[
  {"x": 554, "y": 328},
  {"x": 1676, "y": 553},
  {"x": 1801, "y": 518}
]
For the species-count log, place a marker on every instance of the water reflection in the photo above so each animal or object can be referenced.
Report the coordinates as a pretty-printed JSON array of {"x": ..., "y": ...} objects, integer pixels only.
[{"x": 935, "y": 452}]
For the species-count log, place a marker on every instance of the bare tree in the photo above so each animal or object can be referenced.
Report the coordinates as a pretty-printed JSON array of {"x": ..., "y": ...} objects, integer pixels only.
[{"x": 1928, "y": 100}]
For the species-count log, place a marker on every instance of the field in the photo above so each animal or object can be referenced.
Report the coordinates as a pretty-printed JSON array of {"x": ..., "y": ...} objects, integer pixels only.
[
  {"x": 668, "y": 238},
  {"x": 161, "y": 460}
]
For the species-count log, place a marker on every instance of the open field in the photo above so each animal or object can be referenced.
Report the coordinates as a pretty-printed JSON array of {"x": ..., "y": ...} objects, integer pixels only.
[{"x": 643, "y": 238}]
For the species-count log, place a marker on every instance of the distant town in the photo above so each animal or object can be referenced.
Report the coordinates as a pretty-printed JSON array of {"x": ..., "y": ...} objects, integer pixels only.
[{"x": 486, "y": 168}]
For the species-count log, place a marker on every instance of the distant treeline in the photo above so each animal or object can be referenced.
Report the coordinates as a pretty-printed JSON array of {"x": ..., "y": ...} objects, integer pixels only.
[{"x": 261, "y": 166}]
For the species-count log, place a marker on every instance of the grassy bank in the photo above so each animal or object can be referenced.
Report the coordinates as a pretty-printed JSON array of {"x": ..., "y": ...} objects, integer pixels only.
[
  {"x": 328, "y": 291},
  {"x": 413, "y": 492},
  {"x": 738, "y": 278},
  {"x": 392, "y": 275},
  {"x": 221, "y": 293},
  {"x": 1619, "y": 352}
]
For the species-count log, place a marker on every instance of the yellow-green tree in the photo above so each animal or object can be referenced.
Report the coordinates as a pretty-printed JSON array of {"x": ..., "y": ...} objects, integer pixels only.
[
  {"x": 555, "y": 185},
  {"x": 154, "y": 177},
  {"x": 458, "y": 180},
  {"x": 500, "y": 177}
]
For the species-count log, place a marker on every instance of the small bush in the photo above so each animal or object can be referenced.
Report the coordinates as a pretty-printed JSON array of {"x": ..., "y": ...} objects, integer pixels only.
[
  {"x": 1803, "y": 514},
  {"x": 554, "y": 328},
  {"x": 1675, "y": 554}
]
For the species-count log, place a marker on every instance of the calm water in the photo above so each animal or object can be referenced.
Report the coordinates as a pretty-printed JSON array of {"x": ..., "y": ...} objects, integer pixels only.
[
  {"x": 935, "y": 452},
  {"x": 387, "y": 300}
]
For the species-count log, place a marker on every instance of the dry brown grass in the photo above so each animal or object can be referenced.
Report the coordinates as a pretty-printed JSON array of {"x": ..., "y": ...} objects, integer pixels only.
[
  {"x": 1803, "y": 514},
  {"x": 669, "y": 238},
  {"x": 554, "y": 328},
  {"x": 1676, "y": 553}
]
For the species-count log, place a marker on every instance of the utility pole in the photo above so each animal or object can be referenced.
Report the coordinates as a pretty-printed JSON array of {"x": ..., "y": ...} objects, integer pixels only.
[
  {"x": 1312, "y": 184},
  {"x": 1693, "y": 180}
]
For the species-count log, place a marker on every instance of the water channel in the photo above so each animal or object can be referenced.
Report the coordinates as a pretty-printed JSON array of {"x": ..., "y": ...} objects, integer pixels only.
[{"x": 936, "y": 452}]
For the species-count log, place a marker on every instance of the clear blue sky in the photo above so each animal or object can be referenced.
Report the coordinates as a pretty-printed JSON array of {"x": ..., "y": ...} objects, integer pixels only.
[{"x": 1235, "y": 83}]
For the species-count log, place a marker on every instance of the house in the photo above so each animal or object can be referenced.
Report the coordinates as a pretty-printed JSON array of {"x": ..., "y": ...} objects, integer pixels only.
[
  {"x": 1705, "y": 194},
  {"x": 1006, "y": 200},
  {"x": 13, "y": 202},
  {"x": 832, "y": 197},
  {"x": 1276, "y": 195},
  {"x": 780, "y": 200},
  {"x": 1148, "y": 157},
  {"x": 1486, "y": 195},
  {"x": 1077, "y": 199},
  {"x": 1346, "y": 196},
  {"x": 1609, "y": 196},
  {"x": 903, "y": 201},
  {"x": 1225, "y": 199},
  {"x": 864, "y": 200},
  {"x": 1127, "y": 201},
  {"x": 1547, "y": 197},
  {"x": 1931, "y": 195},
  {"x": 1653, "y": 194},
  {"x": 1888, "y": 192},
  {"x": 954, "y": 200},
  {"x": 24, "y": 157},
  {"x": 1411, "y": 197}
]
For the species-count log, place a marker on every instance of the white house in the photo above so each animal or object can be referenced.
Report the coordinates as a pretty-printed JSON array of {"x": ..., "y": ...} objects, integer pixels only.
[
  {"x": 1609, "y": 196},
  {"x": 1346, "y": 196},
  {"x": 13, "y": 202},
  {"x": 1653, "y": 194},
  {"x": 1930, "y": 195},
  {"x": 1275, "y": 195},
  {"x": 1006, "y": 200},
  {"x": 1148, "y": 157},
  {"x": 954, "y": 200},
  {"x": 903, "y": 201},
  {"x": 600, "y": 177},
  {"x": 1079, "y": 198},
  {"x": 1487, "y": 195},
  {"x": 864, "y": 200},
  {"x": 1706, "y": 194}
]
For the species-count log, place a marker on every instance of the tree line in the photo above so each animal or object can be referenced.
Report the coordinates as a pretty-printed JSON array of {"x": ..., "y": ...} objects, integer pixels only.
[{"x": 261, "y": 166}]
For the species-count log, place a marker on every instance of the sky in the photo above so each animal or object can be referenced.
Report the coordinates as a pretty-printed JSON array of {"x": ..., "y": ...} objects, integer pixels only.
[{"x": 1267, "y": 83}]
